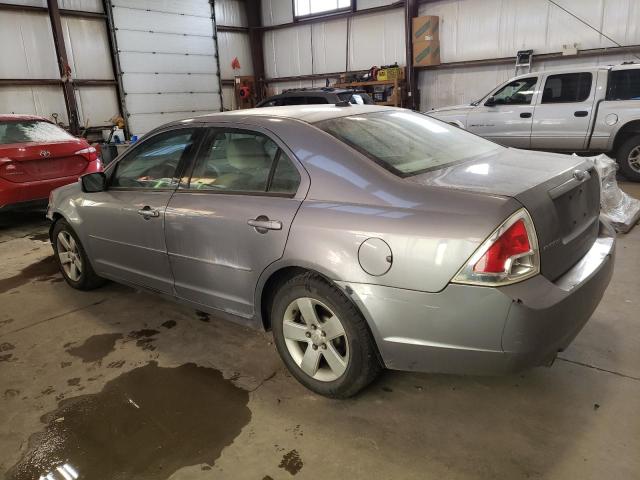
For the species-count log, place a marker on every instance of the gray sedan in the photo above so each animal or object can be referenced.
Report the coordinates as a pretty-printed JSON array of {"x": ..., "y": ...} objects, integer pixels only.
[{"x": 364, "y": 237}]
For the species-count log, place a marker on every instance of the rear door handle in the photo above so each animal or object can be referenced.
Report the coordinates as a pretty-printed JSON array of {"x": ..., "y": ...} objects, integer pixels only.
[
  {"x": 581, "y": 113},
  {"x": 525, "y": 115},
  {"x": 262, "y": 224},
  {"x": 148, "y": 212}
]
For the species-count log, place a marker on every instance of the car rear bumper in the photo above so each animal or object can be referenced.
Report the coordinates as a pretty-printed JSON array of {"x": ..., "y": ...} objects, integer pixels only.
[
  {"x": 12, "y": 193},
  {"x": 467, "y": 329}
]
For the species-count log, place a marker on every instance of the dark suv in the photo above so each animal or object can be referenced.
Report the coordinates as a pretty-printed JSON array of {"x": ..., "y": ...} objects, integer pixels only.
[{"x": 316, "y": 96}]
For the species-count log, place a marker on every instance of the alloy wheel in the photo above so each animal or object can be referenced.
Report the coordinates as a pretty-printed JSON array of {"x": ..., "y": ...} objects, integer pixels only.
[
  {"x": 69, "y": 255},
  {"x": 316, "y": 339},
  {"x": 634, "y": 159}
]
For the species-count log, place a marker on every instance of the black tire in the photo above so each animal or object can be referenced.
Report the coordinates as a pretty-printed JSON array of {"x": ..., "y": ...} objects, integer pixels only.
[
  {"x": 88, "y": 279},
  {"x": 362, "y": 366},
  {"x": 624, "y": 160}
]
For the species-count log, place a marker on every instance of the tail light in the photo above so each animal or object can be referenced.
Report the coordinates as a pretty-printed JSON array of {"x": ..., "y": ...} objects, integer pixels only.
[
  {"x": 508, "y": 256},
  {"x": 12, "y": 171},
  {"x": 89, "y": 152}
]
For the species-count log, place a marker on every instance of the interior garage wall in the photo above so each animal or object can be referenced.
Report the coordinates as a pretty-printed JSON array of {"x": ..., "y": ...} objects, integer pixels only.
[
  {"x": 331, "y": 46},
  {"x": 473, "y": 30},
  {"x": 168, "y": 60},
  {"x": 232, "y": 13},
  {"x": 29, "y": 53}
]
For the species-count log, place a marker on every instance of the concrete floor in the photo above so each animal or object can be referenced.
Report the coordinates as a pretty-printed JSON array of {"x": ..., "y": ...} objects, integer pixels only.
[{"x": 77, "y": 387}]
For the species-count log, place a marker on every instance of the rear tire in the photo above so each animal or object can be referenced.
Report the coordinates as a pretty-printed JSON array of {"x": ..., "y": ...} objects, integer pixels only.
[
  {"x": 628, "y": 157},
  {"x": 72, "y": 259},
  {"x": 322, "y": 337}
]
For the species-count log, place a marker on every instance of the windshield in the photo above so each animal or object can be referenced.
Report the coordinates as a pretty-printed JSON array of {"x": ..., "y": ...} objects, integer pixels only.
[
  {"x": 31, "y": 131},
  {"x": 407, "y": 143}
]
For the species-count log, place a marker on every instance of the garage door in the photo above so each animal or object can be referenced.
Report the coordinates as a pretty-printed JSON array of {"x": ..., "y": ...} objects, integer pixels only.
[{"x": 167, "y": 54}]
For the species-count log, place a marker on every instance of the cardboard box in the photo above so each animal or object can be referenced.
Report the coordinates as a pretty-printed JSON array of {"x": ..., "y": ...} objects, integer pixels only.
[
  {"x": 426, "y": 53},
  {"x": 426, "y": 29}
]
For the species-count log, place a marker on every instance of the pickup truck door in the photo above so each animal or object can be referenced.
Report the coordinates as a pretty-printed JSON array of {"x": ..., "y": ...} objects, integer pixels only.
[
  {"x": 506, "y": 116},
  {"x": 563, "y": 115}
]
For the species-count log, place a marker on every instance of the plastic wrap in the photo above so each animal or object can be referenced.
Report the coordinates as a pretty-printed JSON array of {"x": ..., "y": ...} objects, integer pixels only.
[{"x": 622, "y": 210}]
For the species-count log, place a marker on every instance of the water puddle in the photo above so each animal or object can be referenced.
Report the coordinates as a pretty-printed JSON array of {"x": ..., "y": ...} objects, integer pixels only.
[
  {"x": 145, "y": 424},
  {"x": 95, "y": 348},
  {"x": 45, "y": 269}
]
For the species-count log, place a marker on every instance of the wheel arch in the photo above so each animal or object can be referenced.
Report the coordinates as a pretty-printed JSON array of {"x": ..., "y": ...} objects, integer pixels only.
[{"x": 625, "y": 132}]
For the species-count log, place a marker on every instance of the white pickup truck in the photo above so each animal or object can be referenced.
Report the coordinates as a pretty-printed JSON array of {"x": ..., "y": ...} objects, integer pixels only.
[{"x": 579, "y": 110}]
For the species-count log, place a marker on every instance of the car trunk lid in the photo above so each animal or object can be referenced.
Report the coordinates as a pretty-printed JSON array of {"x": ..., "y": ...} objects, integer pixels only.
[
  {"x": 562, "y": 194},
  {"x": 30, "y": 162}
]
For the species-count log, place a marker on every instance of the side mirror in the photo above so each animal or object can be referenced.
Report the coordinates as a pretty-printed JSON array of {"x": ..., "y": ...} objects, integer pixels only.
[
  {"x": 94, "y": 182},
  {"x": 491, "y": 102}
]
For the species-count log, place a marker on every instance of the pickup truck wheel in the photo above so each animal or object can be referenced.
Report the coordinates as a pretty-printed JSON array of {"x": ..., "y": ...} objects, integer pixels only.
[{"x": 629, "y": 158}]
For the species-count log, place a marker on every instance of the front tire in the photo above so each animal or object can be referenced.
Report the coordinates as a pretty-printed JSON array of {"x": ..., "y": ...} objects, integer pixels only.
[
  {"x": 322, "y": 337},
  {"x": 628, "y": 158},
  {"x": 72, "y": 259}
]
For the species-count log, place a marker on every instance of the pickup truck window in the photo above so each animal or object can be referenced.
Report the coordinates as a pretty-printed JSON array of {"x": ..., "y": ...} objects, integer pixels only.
[
  {"x": 624, "y": 85},
  {"x": 567, "y": 88},
  {"x": 518, "y": 92}
]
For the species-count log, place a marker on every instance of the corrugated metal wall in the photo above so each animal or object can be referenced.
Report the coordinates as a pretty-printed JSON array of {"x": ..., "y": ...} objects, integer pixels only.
[
  {"x": 472, "y": 30},
  {"x": 373, "y": 39},
  {"x": 29, "y": 53}
]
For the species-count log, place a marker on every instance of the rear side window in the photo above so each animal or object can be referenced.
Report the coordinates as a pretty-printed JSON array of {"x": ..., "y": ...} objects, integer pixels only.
[
  {"x": 294, "y": 101},
  {"x": 317, "y": 101},
  {"x": 624, "y": 85},
  {"x": 31, "y": 131},
  {"x": 567, "y": 88},
  {"x": 244, "y": 161}
]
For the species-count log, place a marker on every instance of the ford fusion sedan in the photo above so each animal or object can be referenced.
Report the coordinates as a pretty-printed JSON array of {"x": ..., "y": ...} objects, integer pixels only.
[
  {"x": 37, "y": 156},
  {"x": 363, "y": 237}
]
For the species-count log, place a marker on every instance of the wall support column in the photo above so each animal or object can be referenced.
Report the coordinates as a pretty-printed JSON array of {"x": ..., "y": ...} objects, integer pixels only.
[
  {"x": 410, "y": 11},
  {"x": 63, "y": 66}
]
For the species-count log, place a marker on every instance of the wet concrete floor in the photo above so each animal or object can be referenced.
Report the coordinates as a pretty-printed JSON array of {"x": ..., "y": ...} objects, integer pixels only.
[{"x": 120, "y": 384}]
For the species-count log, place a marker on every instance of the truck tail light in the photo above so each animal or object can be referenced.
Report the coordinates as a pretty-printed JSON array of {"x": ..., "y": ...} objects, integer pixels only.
[{"x": 509, "y": 255}]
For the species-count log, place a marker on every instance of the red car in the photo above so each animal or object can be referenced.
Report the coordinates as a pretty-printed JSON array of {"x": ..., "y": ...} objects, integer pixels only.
[{"x": 37, "y": 156}]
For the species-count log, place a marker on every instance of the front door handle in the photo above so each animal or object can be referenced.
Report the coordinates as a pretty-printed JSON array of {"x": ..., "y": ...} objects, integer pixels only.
[
  {"x": 581, "y": 113},
  {"x": 147, "y": 212},
  {"x": 262, "y": 224},
  {"x": 525, "y": 115}
]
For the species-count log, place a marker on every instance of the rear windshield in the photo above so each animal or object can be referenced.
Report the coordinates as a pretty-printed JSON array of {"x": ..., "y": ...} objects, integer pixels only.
[
  {"x": 407, "y": 143},
  {"x": 31, "y": 131}
]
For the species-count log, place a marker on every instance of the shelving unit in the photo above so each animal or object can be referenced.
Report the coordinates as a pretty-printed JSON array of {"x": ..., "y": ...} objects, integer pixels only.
[{"x": 397, "y": 98}]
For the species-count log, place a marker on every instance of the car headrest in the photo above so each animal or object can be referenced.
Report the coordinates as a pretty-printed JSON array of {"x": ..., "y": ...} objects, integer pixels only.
[{"x": 246, "y": 153}]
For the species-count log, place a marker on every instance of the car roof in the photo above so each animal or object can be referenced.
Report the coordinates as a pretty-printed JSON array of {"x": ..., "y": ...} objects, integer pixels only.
[
  {"x": 304, "y": 92},
  {"x": 305, "y": 113},
  {"x": 16, "y": 117}
]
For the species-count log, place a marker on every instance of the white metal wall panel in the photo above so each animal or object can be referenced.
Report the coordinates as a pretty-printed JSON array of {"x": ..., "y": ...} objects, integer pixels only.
[
  {"x": 287, "y": 51},
  {"x": 231, "y": 12},
  {"x": 364, "y": 4},
  {"x": 276, "y": 12},
  {"x": 27, "y": 46},
  {"x": 474, "y": 29},
  {"x": 82, "y": 5},
  {"x": 228, "y": 98},
  {"x": 329, "y": 41},
  {"x": 231, "y": 45},
  {"x": 34, "y": 100},
  {"x": 377, "y": 39},
  {"x": 168, "y": 60},
  {"x": 96, "y": 105},
  {"x": 87, "y": 47},
  {"x": 28, "y": 3}
]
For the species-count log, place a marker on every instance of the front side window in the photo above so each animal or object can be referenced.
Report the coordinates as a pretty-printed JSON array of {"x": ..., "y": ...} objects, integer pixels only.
[
  {"x": 242, "y": 161},
  {"x": 154, "y": 163},
  {"x": 305, "y": 8},
  {"x": 567, "y": 88},
  {"x": 31, "y": 131},
  {"x": 407, "y": 143},
  {"x": 624, "y": 85},
  {"x": 518, "y": 92}
]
